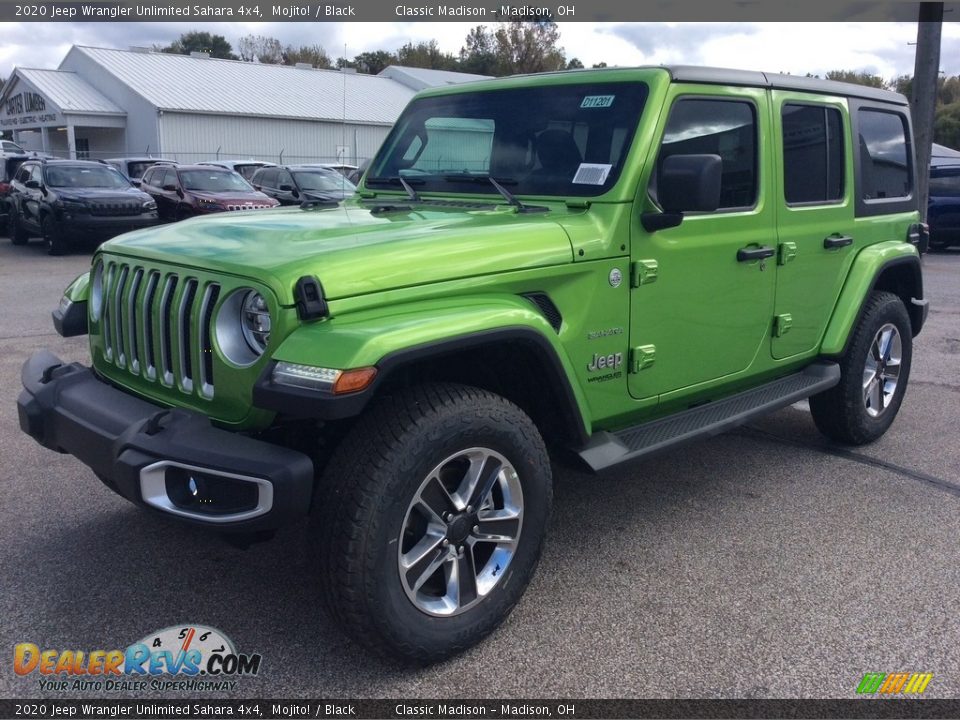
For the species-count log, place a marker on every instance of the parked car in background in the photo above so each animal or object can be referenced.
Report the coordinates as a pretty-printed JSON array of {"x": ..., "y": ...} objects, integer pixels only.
[
  {"x": 182, "y": 191},
  {"x": 9, "y": 147},
  {"x": 133, "y": 168},
  {"x": 943, "y": 210},
  {"x": 67, "y": 200},
  {"x": 355, "y": 175},
  {"x": 292, "y": 184},
  {"x": 245, "y": 167},
  {"x": 10, "y": 165},
  {"x": 342, "y": 168}
]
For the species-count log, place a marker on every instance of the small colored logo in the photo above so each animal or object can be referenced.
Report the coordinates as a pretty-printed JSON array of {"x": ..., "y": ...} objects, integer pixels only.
[
  {"x": 894, "y": 683},
  {"x": 185, "y": 651}
]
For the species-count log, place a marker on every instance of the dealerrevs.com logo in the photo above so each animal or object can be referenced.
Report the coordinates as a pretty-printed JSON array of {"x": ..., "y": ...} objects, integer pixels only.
[{"x": 184, "y": 657}]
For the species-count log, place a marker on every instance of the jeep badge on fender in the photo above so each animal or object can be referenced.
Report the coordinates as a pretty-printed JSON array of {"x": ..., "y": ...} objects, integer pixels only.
[{"x": 461, "y": 316}]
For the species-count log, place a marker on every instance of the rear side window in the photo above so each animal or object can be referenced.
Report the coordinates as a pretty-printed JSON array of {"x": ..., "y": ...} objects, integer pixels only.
[
  {"x": 885, "y": 170},
  {"x": 727, "y": 128},
  {"x": 813, "y": 154}
]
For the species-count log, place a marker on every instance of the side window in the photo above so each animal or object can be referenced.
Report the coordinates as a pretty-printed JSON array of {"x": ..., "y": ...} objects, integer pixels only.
[
  {"x": 727, "y": 128},
  {"x": 148, "y": 176},
  {"x": 284, "y": 178},
  {"x": 36, "y": 173},
  {"x": 269, "y": 178},
  {"x": 885, "y": 170},
  {"x": 23, "y": 174},
  {"x": 813, "y": 154}
]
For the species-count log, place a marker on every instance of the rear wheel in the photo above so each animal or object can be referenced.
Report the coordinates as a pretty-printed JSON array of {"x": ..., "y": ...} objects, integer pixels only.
[
  {"x": 430, "y": 519},
  {"x": 873, "y": 375},
  {"x": 53, "y": 236}
]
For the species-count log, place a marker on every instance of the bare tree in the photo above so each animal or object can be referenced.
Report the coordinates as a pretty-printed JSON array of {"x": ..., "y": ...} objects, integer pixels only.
[{"x": 261, "y": 49}]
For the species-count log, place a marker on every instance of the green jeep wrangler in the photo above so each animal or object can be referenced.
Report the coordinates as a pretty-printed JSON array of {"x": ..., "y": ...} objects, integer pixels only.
[{"x": 605, "y": 263}]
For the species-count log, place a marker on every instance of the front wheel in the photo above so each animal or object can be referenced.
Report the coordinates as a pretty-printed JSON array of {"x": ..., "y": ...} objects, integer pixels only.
[
  {"x": 873, "y": 375},
  {"x": 18, "y": 235},
  {"x": 430, "y": 519},
  {"x": 53, "y": 236}
]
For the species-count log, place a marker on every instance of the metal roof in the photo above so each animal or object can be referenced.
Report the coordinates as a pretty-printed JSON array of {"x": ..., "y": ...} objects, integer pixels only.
[
  {"x": 207, "y": 85},
  {"x": 420, "y": 78},
  {"x": 69, "y": 92}
]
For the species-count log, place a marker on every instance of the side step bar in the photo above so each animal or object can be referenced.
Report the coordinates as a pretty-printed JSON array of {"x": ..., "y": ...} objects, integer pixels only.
[{"x": 605, "y": 449}]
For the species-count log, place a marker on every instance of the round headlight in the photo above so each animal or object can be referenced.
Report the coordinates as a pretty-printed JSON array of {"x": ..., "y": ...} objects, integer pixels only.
[
  {"x": 243, "y": 326},
  {"x": 96, "y": 291},
  {"x": 255, "y": 321}
]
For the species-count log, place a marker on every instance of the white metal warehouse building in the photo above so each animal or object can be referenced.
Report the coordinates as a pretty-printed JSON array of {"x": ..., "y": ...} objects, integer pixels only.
[{"x": 104, "y": 103}]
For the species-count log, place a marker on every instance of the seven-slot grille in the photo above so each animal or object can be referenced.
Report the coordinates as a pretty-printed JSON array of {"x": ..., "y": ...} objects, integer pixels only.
[
  {"x": 159, "y": 325},
  {"x": 117, "y": 208}
]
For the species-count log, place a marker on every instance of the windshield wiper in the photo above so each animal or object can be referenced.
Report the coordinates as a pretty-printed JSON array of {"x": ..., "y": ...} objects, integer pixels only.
[{"x": 498, "y": 184}]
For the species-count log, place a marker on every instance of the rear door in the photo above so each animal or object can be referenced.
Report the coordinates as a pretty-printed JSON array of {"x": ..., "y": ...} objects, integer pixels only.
[{"x": 815, "y": 212}]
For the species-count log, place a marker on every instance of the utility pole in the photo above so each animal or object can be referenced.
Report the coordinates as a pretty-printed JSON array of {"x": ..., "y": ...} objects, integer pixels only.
[{"x": 926, "y": 75}]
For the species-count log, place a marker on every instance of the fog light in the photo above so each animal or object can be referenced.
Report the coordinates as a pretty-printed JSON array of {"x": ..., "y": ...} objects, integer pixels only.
[{"x": 209, "y": 494}]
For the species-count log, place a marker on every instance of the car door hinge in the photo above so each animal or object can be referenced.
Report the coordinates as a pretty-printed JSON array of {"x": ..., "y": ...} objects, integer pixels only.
[
  {"x": 642, "y": 357},
  {"x": 643, "y": 272},
  {"x": 786, "y": 252},
  {"x": 781, "y": 324}
]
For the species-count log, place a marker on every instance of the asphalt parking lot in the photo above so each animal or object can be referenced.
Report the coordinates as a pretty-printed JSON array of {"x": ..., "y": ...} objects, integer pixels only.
[{"x": 761, "y": 563}]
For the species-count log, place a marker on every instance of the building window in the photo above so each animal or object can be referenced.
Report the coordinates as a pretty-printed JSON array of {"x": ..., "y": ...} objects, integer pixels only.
[{"x": 83, "y": 148}]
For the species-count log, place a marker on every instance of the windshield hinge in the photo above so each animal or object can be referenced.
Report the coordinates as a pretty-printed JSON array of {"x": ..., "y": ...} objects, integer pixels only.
[{"x": 577, "y": 204}]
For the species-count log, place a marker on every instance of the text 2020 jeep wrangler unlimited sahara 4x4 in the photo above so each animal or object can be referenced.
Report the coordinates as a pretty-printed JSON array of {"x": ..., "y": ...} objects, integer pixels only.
[{"x": 611, "y": 262}]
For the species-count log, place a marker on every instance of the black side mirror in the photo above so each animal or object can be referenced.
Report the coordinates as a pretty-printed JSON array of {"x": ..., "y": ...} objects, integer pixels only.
[
  {"x": 686, "y": 183},
  {"x": 136, "y": 183},
  {"x": 286, "y": 188},
  {"x": 32, "y": 184},
  {"x": 169, "y": 187}
]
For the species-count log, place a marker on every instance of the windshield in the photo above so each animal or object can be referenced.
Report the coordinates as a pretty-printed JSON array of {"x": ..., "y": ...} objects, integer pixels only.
[
  {"x": 214, "y": 181},
  {"x": 556, "y": 140},
  {"x": 322, "y": 181},
  {"x": 85, "y": 177}
]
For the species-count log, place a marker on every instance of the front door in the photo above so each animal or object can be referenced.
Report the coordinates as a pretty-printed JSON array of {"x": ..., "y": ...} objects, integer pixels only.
[{"x": 702, "y": 303}]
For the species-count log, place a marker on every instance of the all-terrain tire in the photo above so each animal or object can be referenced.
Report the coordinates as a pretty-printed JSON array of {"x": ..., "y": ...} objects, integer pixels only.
[
  {"x": 366, "y": 499},
  {"x": 857, "y": 410},
  {"x": 18, "y": 235},
  {"x": 56, "y": 243}
]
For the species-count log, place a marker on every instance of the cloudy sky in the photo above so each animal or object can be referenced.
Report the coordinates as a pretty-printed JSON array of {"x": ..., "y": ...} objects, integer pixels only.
[{"x": 798, "y": 48}]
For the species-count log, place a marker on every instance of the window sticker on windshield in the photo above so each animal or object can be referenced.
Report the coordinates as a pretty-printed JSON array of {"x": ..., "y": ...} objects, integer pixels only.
[
  {"x": 597, "y": 101},
  {"x": 591, "y": 174}
]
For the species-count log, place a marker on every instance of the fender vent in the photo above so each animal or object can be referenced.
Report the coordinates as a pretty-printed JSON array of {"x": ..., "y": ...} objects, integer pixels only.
[{"x": 546, "y": 306}]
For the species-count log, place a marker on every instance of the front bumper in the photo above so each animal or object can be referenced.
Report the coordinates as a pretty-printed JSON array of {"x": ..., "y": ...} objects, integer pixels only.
[
  {"x": 151, "y": 455},
  {"x": 84, "y": 224}
]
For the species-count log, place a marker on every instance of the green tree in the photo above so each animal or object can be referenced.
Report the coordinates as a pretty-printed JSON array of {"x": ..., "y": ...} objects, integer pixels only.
[
  {"x": 478, "y": 55},
  {"x": 374, "y": 62},
  {"x": 528, "y": 47},
  {"x": 946, "y": 125},
  {"x": 313, "y": 54},
  {"x": 196, "y": 41},
  {"x": 857, "y": 77},
  {"x": 426, "y": 54},
  {"x": 600, "y": 65},
  {"x": 574, "y": 64},
  {"x": 260, "y": 48}
]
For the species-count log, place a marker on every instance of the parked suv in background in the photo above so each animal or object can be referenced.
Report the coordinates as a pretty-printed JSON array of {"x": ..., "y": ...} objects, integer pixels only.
[
  {"x": 605, "y": 263},
  {"x": 8, "y": 168},
  {"x": 245, "y": 167},
  {"x": 292, "y": 184},
  {"x": 133, "y": 168},
  {"x": 182, "y": 191},
  {"x": 943, "y": 211},
  {"x": 68, "y": 200}
]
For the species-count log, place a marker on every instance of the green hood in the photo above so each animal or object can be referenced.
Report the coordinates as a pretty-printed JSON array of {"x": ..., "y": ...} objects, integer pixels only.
[{"x": 353, "y": 251}]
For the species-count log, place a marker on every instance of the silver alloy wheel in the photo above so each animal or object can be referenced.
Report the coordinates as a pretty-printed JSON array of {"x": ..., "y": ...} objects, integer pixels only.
[
  {"x": 881, "y": 372},
  {"x": 460, "y": 532}
]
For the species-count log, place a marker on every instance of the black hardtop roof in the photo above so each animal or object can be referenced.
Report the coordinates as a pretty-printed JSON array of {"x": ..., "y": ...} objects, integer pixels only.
[
  {"x": 752, "y": 78},
  {"x": 745, "y": 78}
]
